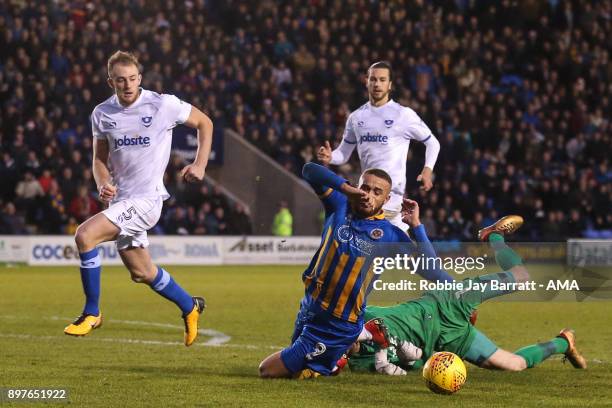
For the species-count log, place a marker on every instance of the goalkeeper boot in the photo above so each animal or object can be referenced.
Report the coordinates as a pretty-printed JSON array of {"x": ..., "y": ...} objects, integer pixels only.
[
  {"x": 572, "y": 354},
  {"x": 379, "y": 332},
  {"x": 83, "y": 325},
  {"x": 191, "y": 320},
  {"x": 504, "y": 226}
]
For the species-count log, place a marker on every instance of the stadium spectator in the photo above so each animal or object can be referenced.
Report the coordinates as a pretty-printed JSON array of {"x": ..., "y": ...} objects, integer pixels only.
[
  {"x": 239, "y": 221},
  {"x": 54, "y": 210},
  {"x": 515, "y": 90},
  {"x": 282, "y": 225},
  {"x": 83, "y": 205},
  {"x": 11, "y": 222},
  {"x": 27, "y": 194},
  {"x": 177, "y": 222}
]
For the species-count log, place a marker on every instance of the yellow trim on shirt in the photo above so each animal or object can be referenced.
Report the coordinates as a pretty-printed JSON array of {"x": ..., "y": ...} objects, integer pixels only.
[
  {"x": 364, "y": 287},
  {"x": 348, "y": 286},
  {"x": 379, "y": 216},
  {"x": 316, "y": 265},
  {"x": 331, "y": 288},
  {"x": 327, "y": 193},
  {"x": 328, "y": 260}
]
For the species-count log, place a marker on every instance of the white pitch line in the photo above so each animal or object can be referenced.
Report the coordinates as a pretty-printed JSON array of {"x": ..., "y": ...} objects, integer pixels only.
[
  {"x": 218, "y": 339},
  {"x": 209, "y": 343},
  {"x": 176, "y": 343},
  {"x": 136, "y": 341}
]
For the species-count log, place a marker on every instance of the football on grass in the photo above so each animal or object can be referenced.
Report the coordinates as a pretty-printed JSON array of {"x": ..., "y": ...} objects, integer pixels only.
[{"x": 444, "y": 373}]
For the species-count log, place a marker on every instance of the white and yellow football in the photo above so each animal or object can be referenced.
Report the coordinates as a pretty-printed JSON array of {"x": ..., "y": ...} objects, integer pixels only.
[{"x": 444, "y": 373}]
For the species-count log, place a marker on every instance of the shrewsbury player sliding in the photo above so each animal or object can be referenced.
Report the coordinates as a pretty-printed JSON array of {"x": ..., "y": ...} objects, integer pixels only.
[
  {"x": 340, "y": 275},
  {"x": 439, "y": 321},
  {"x": 382, "y": 130},
  {"x": 132, "y": 137}
]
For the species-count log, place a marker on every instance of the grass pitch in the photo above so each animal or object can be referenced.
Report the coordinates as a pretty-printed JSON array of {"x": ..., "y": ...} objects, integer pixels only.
[{"x": 137, "y": 357}]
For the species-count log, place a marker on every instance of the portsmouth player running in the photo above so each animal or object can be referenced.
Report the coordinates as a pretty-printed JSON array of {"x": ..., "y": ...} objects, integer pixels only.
[
  {"x": 132, "y": 138},
  {"x": 439, "y": 321},
  {"x": 382, "y": 130},
  {"x": 340, "y": 275}
]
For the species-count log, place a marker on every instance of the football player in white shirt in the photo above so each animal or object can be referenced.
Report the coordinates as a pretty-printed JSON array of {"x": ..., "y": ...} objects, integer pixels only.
[
  {"x": 382, "y": 130},
  {"x": 132, "y": 139}
]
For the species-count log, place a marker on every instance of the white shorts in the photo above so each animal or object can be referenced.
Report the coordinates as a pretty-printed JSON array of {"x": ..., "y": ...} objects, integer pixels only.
[
  {"x": 134, "y": 217},
  {"x": 395, "y": 218}
]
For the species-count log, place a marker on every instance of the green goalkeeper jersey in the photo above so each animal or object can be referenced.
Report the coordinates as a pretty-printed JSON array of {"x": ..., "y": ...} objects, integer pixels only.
[{"x": 436, "y": 321}]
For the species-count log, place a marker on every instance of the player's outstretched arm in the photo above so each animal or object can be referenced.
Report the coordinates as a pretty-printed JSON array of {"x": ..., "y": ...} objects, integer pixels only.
[
  {"x": 200, "y": 121},
  {"x": 411, "y": 216},
  {"x": 383, "y": 366},
  {"x": 321, "y": 179},
  {"x": 432, "y": 148},
  {"x": 101, "y": 172},
  {"x": 341, "y": 155},
  {"x": 409, "y": 358},
  {"x": 324, "y": 154},
  {"x": 343, "y": 152}
]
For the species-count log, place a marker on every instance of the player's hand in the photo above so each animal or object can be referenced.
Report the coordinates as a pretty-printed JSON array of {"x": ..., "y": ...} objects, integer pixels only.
[
  {"x": 324, "y": 154},
  {"x": 425, "y": 178},
  {"x": 410, "y": 213},
  {"x": 193, "y": 173},
  {"x": 408, "y": 352},
  {"x": 353, "y": 192},
  {"x": 107, "y": 192}
]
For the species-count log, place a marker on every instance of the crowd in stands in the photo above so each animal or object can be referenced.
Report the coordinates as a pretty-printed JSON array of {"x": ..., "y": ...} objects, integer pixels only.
[{"x": 517, "y": 92}]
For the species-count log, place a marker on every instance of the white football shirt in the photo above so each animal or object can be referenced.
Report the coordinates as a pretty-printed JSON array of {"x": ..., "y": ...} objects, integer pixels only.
[
  {"x": 382, "y": 136},
  {"x": 139, "y": 138}
]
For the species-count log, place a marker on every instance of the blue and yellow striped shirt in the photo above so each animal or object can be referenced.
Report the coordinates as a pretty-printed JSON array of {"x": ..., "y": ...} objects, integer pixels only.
[{"x": 340, "y": 275}]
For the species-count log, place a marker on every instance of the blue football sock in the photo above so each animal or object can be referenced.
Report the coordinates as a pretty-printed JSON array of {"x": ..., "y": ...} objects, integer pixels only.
[
  {"x": 90, "y": 277},
  {"x": 165, "y": 285}
]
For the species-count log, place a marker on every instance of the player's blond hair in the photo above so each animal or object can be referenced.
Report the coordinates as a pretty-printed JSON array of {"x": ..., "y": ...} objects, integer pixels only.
[{"x": 122, "y": 57}]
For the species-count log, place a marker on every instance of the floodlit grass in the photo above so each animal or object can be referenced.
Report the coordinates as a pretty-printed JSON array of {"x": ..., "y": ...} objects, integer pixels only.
[{"x": 137, "y": 357}]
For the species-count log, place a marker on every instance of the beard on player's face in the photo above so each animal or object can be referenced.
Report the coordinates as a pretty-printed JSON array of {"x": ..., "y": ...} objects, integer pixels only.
[
  {"x": 379, "y": 84},
  {"x": 367, "y": 208},
  {"x": 379, "y": 96},
  {"x": 379, "y": 93},
  {"x": 373, "y": 203},
  {"x": 125, "y": 82},
  {"x": 127, "y": 93}
]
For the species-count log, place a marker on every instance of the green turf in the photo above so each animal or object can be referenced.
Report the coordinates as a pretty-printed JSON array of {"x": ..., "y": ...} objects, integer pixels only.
[{"x": 256, "y": 307}]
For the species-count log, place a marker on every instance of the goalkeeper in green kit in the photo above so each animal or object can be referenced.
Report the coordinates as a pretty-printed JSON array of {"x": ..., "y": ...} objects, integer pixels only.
[{"x": 440, "y": 321}]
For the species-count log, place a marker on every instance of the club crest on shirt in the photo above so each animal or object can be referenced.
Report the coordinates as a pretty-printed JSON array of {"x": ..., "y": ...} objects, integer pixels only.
[
  {"x": 388, "y": 122},
  {"x": 376, "y": 233},
  {"x": 345, "y": 234},
  {"x": 147, "y": 120},
  {"x": 360, "y": 123}
]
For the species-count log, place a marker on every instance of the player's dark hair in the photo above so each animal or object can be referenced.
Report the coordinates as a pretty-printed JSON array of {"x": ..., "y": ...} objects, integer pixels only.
[
  {"x": 380, "y": 173},
  {"x": 382, "y": 65}
]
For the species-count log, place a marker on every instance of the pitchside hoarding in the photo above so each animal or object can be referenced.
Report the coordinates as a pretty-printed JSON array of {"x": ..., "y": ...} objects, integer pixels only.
[
  {"x": 258, "y": 250},
  {"x": 269, "y": 250},
  {"x": 13, "y": 248},
  {"x": 61, "y": 250}
]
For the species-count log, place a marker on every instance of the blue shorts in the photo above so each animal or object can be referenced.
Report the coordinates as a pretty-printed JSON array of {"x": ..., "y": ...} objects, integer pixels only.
[{"x": 319, "y": 340}]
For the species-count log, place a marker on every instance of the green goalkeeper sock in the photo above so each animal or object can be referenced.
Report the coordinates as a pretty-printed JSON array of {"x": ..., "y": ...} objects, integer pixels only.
[
  {"x": 537, "y": 353},
  {"x": 505, "y": 257}
]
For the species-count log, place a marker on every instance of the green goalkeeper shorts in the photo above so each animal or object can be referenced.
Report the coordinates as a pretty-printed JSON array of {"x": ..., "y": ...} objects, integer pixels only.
[{"x": 457, "y": 335}]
